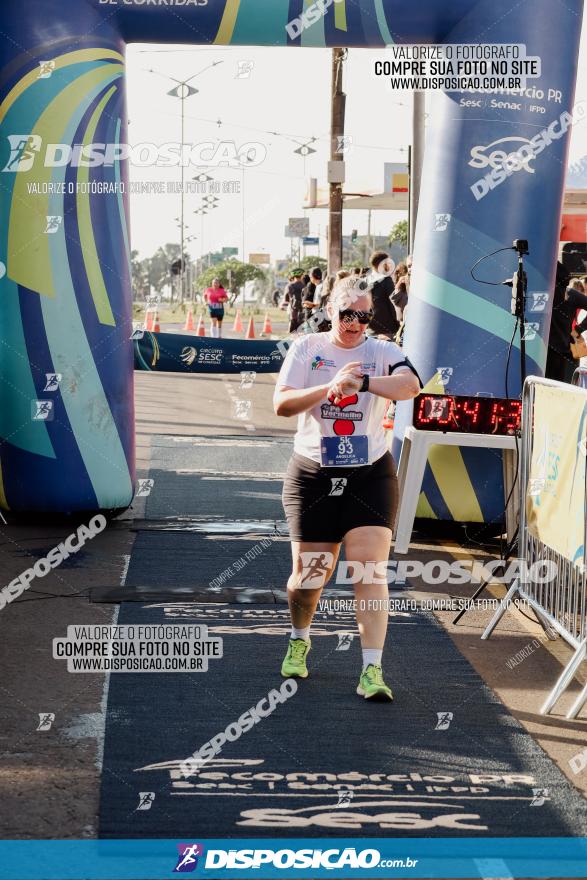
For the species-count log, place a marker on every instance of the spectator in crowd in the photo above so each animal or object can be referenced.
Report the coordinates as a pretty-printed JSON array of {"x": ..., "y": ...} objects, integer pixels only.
[
  {"x": 293, "y": 300},
  {"x": 342, "y": 273},
  {"x": 568, "y": 298},
  {"x": 401, "y": 273},
  {"x": 581, "y": 378},
  {"x": 310, "y": 300},
  {"x": 384, "y": 322},
  {"x": 327, "y": 286},
  {"x": 276, "y": 296},
  {"x": 322, "y": 297},
  {"x": 399, "y": 297}
]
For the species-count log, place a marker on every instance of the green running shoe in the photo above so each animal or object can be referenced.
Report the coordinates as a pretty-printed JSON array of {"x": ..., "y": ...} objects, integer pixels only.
[
  {"x": 294, "y": 664},
  {"x": 372, "y": 687}
]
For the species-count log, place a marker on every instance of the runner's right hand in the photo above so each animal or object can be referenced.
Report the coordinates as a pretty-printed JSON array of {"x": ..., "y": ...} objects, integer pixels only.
[{"x": 347, "y": 381}]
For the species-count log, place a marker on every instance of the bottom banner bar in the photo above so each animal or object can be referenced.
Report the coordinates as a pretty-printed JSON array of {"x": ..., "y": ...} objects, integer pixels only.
[{"x": 503, "y": 857}]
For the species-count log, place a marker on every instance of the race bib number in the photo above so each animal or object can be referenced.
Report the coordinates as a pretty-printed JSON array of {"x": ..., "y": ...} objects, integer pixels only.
[{"x": 347, "y": 451}]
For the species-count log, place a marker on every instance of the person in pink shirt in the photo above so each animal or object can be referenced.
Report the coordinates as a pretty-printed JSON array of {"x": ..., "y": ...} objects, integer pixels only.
[{"x": 215, "y": 297}]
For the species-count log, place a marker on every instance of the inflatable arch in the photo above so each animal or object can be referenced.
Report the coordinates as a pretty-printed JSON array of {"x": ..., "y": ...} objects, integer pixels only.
[{"x": 65, "y": 289}]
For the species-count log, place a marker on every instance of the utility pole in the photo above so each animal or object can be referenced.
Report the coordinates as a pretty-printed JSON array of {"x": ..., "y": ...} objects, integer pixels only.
[
  {"x": 336, "y": 165},
  {"x": 182, "y": 251},
  {"x": 368, "y": 247},
  {"x": 416, "y": 161}
]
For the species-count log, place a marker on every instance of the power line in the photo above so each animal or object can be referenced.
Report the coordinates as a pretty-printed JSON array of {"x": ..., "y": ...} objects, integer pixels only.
[{"x": 294, "y": 138}]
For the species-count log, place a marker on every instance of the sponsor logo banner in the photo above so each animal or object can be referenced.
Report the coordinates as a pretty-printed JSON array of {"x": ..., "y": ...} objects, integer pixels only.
[{"x": 332, "y": 857}]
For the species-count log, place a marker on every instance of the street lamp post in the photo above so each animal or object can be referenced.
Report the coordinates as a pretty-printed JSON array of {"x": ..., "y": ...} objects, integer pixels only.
[
  {"x": 416, "y": 161},
  {"x": 183, "y": 91},
  {"x": 203, "y": 178},
  {"x": 243, "y": 217}
]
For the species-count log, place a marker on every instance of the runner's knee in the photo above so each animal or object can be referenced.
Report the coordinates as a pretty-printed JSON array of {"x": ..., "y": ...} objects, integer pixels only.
[{"x": 301, "y": 579}]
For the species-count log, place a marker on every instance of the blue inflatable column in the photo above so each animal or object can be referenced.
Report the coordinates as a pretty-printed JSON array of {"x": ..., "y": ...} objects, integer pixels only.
[
  {"x": 459, "y": 330},
  {"x": 66, "y": 362}
]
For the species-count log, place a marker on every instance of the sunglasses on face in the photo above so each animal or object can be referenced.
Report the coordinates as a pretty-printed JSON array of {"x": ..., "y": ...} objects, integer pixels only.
[{"x": 348, "y": 315}]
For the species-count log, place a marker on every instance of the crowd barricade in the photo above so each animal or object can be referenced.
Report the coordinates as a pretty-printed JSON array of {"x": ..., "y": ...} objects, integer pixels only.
[{"x": 553, "y": 521}]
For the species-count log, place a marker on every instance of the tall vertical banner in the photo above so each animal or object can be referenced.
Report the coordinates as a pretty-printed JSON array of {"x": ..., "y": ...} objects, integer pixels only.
[{"x": 459, "y": 329}]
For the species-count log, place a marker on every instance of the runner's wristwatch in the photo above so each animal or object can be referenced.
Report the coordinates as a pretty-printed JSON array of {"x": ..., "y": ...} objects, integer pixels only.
[{"x": 365, "y": 385}]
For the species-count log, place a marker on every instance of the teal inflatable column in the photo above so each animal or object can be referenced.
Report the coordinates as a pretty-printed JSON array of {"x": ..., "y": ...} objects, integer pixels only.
[
  {"x": 66, "y": 360},
  {"x": 458, "y": 330}
]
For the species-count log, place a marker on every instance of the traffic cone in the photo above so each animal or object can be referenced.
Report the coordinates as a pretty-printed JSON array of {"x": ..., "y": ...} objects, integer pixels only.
[
  {"x": 189, "y": 321},
  {"x": 250, "y": 330},
  {"x": 267, "y": 324},
  {"x": 238, "y": 323},
  {"x": 389, "y": 417},
  {"x": 156, "y": 325},
  {"x": 201, "y": 331},
  {"x": 148, "y": 323}
]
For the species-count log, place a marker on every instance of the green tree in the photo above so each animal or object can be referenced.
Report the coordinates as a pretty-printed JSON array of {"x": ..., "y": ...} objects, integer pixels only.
[
  {"x": 399, "y": 233},
  {"x": 307, "y": 263},
  {"x": 240, "y": 273},
  {"x": 157, "y": 269},
  {"x": 137, "y": 275}
]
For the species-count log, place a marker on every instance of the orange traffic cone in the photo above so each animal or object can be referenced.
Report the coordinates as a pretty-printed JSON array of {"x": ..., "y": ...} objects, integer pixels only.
[
  {"x": 389, "y": 417},
  {"x": 250, "y": 330},
  {"x": 189, "y": 321},
  {"x": 156, "y": 325},
  {"x": 238, "y": 324},
  {"x": 148, "y": 324},
  {"x": 267, "y": 324},
  {"x": 201, "y": 331}
]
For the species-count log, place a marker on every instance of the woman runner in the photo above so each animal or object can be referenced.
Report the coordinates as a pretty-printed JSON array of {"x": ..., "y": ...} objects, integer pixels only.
[
  {"x": 341, "y": 483},
  {"x": 215, "y": 297}
]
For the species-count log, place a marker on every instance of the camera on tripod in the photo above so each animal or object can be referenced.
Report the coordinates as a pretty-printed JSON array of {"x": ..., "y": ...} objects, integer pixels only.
[{"x": 519, "y": 282}]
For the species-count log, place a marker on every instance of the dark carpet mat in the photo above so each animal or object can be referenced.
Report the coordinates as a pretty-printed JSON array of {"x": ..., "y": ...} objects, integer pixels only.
[
  {"x": 228, "y": 499},
  {"x": 212, "y": 501},
  {"x": 216, "y": 565},
  {"x": 324, "y": 763}
]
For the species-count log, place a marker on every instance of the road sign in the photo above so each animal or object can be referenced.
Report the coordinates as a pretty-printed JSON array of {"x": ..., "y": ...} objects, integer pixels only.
[
  {"x": 229, "y": 251},
  {"x": 310, "y": 240},
  {"x": 299, "y": 226},
  {"x": 395, "y": 177},
  {"x": 260, "y": 259}
]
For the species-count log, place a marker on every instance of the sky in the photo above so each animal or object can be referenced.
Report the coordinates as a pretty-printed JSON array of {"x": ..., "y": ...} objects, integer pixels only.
[{"x": 282, "y": 104}]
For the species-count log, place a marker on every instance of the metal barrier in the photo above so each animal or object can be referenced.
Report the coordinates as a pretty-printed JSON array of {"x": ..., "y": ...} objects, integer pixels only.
[{"x": 553, "y": 521}]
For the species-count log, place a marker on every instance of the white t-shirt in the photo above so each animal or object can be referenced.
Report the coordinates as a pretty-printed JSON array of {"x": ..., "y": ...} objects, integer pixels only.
[{"x": 314, "y": 360}]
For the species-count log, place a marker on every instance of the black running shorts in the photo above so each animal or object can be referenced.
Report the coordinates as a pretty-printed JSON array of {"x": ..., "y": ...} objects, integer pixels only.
[{"x": 322, "y": 504}]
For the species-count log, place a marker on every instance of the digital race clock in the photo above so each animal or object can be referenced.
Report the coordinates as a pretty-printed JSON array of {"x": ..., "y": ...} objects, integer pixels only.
[{"x": 467, "y": 415}]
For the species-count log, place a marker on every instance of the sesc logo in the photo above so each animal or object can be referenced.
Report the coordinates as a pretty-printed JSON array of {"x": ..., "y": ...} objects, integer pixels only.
[
  {"x": 189, "y": 354},
  {"x": 495, "y": 156}
]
